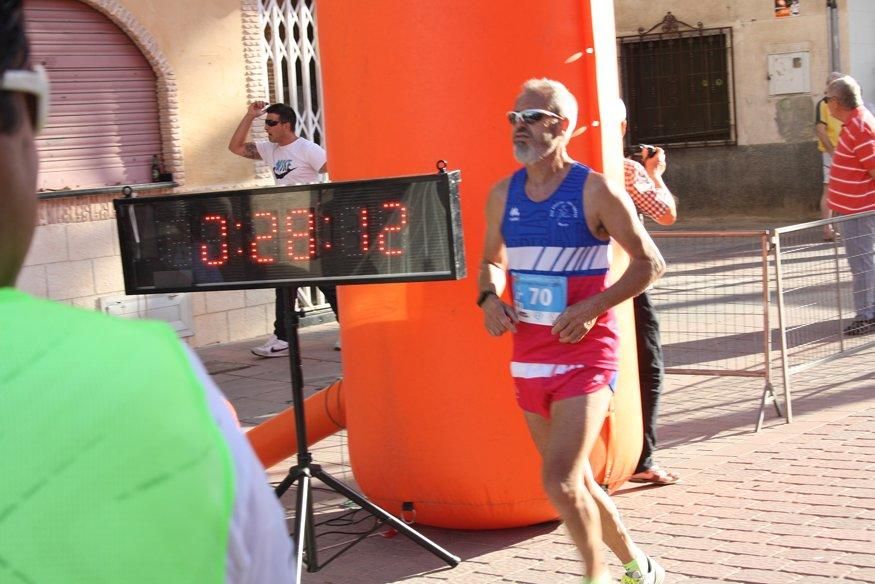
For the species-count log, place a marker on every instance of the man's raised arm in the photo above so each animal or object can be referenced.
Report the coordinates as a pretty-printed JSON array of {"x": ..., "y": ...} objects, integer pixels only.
[{"x": 238, "y": 144}]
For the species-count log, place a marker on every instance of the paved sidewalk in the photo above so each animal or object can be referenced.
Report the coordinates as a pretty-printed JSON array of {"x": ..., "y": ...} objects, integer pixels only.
[{"x": 791, "y": 504}]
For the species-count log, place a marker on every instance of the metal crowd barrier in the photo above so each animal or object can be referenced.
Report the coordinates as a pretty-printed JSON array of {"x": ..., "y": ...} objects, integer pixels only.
[
  {"x": 715, "y": 312},
  {"x": 713, "y": 306},
  {"x": 815, "y": 297}
]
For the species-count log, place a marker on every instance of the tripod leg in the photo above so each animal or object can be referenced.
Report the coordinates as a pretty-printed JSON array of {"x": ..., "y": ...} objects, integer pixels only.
[
  {"x": 379, "y": 513},
  {"x": 287, "y": 482},
  {"x": 303, "y": 536}
]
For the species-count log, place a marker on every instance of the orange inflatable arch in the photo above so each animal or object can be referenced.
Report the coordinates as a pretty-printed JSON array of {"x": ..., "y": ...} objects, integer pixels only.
[{"x": 429, "y": 401}]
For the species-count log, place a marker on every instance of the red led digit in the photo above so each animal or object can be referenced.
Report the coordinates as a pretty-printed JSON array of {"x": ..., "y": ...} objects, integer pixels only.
[
  {"x": 364, "y": 243},
  {"x": 307, "y": 234},
  {"x": 327, "y": 242},
  {"x": 223, "y": 242},
  {"x": 271, "y": 234},
  {"x": 401, "y": 217}
]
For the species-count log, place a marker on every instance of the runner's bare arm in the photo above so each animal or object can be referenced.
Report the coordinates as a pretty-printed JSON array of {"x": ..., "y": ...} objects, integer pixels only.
[
  {"x": 498, "y": 316},
  {"x": 610, "y": 213}
]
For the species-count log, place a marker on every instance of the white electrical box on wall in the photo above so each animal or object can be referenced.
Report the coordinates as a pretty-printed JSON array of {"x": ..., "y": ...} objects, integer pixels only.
[
  {"x": 174, "y": 309},
  {"x": 789, "y": 73}
]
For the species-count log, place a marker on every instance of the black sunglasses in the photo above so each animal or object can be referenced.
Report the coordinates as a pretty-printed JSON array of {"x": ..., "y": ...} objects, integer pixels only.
[{"x": 272, "y": 123}]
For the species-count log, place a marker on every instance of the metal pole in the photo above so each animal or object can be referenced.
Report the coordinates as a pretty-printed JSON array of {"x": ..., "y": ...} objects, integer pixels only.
[
  {"x": 832, "y": 27},
  {"x": 767, "y": 331},
  {"x": 782, "y": 325},
  {"x": 768, "y": 389},
  {"x": 838, "y": 282}
]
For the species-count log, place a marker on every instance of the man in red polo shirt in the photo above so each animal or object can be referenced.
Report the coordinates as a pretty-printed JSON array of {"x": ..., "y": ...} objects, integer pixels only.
[{"x": 852, "y": 191}]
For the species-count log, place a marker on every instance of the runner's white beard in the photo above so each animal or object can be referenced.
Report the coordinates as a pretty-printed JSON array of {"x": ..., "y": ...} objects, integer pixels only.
[
  {"x": 525, "y": 154},
  {"x": 529, "y": 153}
]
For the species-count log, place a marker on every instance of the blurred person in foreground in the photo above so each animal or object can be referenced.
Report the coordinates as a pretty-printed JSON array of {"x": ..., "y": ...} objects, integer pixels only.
[
  {"x": 120, "y": 460},
  {"x": 852, "y": 191}
]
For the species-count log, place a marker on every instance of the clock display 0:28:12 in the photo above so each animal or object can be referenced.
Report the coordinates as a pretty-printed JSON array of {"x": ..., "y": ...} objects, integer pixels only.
[{"x": 299, "y": 235}]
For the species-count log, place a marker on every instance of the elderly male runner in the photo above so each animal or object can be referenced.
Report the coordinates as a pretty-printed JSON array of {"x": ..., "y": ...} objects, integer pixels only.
[{"x": 549, "y": 224}]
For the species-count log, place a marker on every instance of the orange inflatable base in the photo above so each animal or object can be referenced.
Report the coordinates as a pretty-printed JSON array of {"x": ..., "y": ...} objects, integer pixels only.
[
  {"x": 429, "y": 402},
  {"x": 431, "y": 416},
  {"x": 324, "y": 413}
]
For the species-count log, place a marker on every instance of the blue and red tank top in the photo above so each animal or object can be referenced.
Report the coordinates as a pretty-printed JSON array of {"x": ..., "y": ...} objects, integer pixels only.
[{"x": 555, "y": 261}]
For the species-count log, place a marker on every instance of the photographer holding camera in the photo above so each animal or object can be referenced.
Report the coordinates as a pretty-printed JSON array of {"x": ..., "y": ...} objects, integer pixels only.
[{"x": 652, "y": 198}]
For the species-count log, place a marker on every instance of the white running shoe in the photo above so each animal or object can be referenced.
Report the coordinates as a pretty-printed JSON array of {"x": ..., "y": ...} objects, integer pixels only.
[
  {"x": 273, "y": 347},
  {"x": 337, "y": 344},
  {"x": 655, "y": 574}
]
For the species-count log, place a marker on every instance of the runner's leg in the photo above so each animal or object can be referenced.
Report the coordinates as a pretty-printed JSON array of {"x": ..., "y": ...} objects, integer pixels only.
[
  {"x": 614, "y": 532},
  {"x": 565, "y": 442}
]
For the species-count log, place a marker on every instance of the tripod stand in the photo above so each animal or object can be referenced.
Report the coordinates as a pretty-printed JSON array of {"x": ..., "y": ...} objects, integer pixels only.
[{"x": 305, "y": 471}]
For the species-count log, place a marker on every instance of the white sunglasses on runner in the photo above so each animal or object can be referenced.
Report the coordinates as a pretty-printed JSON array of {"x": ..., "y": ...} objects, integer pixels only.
[
  {"x": 530, "y": 116},
  {"x": 34, "y": 83}
]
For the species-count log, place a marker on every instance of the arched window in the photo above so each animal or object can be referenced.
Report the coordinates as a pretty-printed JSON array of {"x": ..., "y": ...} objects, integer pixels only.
[{"x": 103, "y": 128}]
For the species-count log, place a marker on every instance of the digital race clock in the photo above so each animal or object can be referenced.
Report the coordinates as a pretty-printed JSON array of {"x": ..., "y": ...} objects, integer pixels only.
[{"x": 404, "y": 229}]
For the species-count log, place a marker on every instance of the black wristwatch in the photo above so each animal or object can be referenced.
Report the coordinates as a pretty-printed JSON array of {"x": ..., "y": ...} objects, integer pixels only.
[{"x": 484, "y": 295}]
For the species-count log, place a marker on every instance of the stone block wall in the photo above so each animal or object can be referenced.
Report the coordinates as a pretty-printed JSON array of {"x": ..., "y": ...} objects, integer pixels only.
[{"x": 75, "y": 259}]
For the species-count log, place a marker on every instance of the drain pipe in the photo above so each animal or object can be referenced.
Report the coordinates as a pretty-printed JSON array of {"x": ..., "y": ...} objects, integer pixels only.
[{"x": 832, "y": 26}]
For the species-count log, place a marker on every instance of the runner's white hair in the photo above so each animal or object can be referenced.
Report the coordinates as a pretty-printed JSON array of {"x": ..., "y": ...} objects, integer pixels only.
[{"x": 559, "y": 100}]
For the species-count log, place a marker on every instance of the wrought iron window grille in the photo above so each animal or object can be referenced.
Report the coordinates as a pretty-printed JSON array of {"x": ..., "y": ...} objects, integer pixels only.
[
  {"x": 290, "y": 61},
  {"x": 678, "y": 84}
]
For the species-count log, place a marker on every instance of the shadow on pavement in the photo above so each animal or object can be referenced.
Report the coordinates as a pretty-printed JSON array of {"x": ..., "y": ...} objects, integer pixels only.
[
  {"x": 387, "y": 556},
  {"x": 687, "y": 425}
]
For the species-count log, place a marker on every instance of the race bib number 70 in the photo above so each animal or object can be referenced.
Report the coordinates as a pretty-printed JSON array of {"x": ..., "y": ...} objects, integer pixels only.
[{"x": 539, "y": 299}]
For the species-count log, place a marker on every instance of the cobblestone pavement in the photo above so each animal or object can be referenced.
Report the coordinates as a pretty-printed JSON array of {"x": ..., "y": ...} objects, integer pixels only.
[{"x": 793, "y": 503}]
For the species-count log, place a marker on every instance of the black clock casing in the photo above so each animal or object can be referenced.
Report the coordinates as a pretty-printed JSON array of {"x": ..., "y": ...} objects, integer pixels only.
[{"x": 404, "y": 229}]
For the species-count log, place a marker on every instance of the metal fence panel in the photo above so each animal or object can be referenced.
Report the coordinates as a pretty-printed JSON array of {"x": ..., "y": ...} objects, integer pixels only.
[
  {"x": 715, "y": 301},
  {"x": 816, "y": 295},
  {"x": 712, "y": 306}
]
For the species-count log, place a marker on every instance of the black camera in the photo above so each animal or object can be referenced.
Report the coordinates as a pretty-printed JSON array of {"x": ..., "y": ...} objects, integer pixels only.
[
  {"x": 642, "y": 152},
  {"x": 651, "y": 150}
]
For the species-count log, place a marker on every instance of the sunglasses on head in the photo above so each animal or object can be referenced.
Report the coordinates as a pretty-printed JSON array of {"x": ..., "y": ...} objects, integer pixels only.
[
  {"x": 530, "y": 116},
  {"x": 35, "y": 85},
  {"x": 272, "y": 123}
]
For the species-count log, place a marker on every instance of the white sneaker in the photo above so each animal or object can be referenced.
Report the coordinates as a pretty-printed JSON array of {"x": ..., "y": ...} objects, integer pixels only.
[
  {"x": 273, "y": 347},
  {"x": 655, "y": 574},
  {"x": 337, "y": 344}
]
